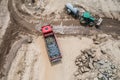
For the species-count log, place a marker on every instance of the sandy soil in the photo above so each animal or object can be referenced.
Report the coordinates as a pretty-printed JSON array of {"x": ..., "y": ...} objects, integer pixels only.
[
  {"x": 22, "y": 61},
  {"x": 36, "y": 60},
  {"x": 4, "y": 18},
  {"x": 100, "y": 8}
]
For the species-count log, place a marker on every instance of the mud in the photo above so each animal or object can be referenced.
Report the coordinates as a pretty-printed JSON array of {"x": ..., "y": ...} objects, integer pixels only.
[{"x": 111, "y": 26}]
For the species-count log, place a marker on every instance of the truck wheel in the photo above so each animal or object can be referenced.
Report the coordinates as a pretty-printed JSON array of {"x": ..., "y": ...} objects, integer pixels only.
[
  {"x": 82, "y": 21},
  {"x": 68, "y": 11},
  {"x": 91, "y": 24}
]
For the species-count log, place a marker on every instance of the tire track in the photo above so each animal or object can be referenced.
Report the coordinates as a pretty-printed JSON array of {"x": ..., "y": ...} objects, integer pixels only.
[
  {"x": 18, "y": 18},
  {"x": 12, "y": 54}
]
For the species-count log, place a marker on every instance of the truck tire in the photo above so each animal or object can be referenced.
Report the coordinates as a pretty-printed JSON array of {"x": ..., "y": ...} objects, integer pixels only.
[
  {"x": 68, "y": 11},
  {"x": 91, "y": 24},
  {"x": 82, "y": 21}
]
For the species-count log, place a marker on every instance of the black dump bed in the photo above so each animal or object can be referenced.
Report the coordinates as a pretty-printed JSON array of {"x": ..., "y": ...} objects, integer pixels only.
[{"x": 52, "y": 47}]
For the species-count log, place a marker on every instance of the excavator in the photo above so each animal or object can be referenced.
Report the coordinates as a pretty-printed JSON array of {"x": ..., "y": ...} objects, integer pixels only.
[
  {"x": 85, "y": 17},
  {"x": 72, "y": 10}
]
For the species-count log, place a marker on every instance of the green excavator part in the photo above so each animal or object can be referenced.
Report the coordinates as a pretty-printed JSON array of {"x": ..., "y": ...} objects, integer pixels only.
[{"x": 88, "y": 16}]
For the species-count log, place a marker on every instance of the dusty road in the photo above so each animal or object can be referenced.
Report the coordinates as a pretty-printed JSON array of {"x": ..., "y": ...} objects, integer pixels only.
[{"x": 36, "y": 60}]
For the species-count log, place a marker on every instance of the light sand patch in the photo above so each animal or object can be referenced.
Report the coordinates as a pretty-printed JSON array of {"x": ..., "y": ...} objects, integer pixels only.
[{"x": 35, "y": 63}]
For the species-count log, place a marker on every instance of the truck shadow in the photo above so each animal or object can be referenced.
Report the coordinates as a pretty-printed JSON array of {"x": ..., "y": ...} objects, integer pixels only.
[{"x": 56, "y": 63}]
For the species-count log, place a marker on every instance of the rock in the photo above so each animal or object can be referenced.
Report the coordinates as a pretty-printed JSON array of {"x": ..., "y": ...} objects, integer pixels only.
[
  {"x": 119, "y": 47},
  {"x": 95, "y": 78},
  {"x": 114, "y": 71},
  {"x": 93, "y": 50},
  {"x": 82, "y": 69},
  {"x": 77, "y": 60},
  {"x": 83, "y": 57},
  {"x": 91, "y": 66},
  {"x": 94, "y": 38},
  {"x": 83, "y": 51},
  {"x": 77, "y": 63},
  {"x": 80, "y": 59},
  {"x": 80, "y": 64},
  {"x": 76, "y": 73},
  {"x": 90, "y": 53},
  {"x": 86, "y": 55},
  {"x": 118, "y": 37},
  {"x": 95, "y": 59},
  {"x": 101, "y": 70},
  {"x": 97, "y": 42},
  {"x": 106, "y": 61},
  {"x": 110, "y": 74},
  {"x": 104, "y": 78},
  {"x": 100, "y": 75},
  {"x": 79, "y": 70},
  {"x": 110, "y": 79},
  {"x": 102, "y": 36},
  {"x": 87, "y": 64},
  {"x": 112, "y": 66},
  {"x": 101, "y": 62},
  {"x": 86, "y": 69},
  {"x": 102, "y": 51},
  {"x": 84, "y": 61},
  {"x": 93, "y": 55}
]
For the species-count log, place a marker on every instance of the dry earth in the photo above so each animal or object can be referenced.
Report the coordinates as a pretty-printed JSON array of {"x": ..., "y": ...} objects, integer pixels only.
[{"x": 21, "y": 20}]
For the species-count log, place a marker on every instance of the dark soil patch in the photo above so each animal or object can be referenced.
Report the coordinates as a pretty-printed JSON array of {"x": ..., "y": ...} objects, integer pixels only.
[
  {"x": 10, "y": 36},
  {"x": 110, "y": 26}
]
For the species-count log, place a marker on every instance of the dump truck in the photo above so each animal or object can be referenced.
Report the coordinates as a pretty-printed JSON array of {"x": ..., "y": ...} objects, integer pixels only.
[{"x": 51, "y": 44}]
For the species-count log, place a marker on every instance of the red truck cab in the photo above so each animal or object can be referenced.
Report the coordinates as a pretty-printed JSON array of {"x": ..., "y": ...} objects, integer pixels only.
[{"x": 51, "y": 44}]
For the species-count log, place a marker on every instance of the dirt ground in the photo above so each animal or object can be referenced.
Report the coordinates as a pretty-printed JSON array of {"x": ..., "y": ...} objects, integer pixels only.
[
  {"x": 41, "y": 61},
  {"x": 21, "y": 21}
]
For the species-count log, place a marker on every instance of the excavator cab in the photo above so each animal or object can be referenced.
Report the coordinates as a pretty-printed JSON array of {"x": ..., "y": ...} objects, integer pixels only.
[{"x": 87, "y": 19}]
